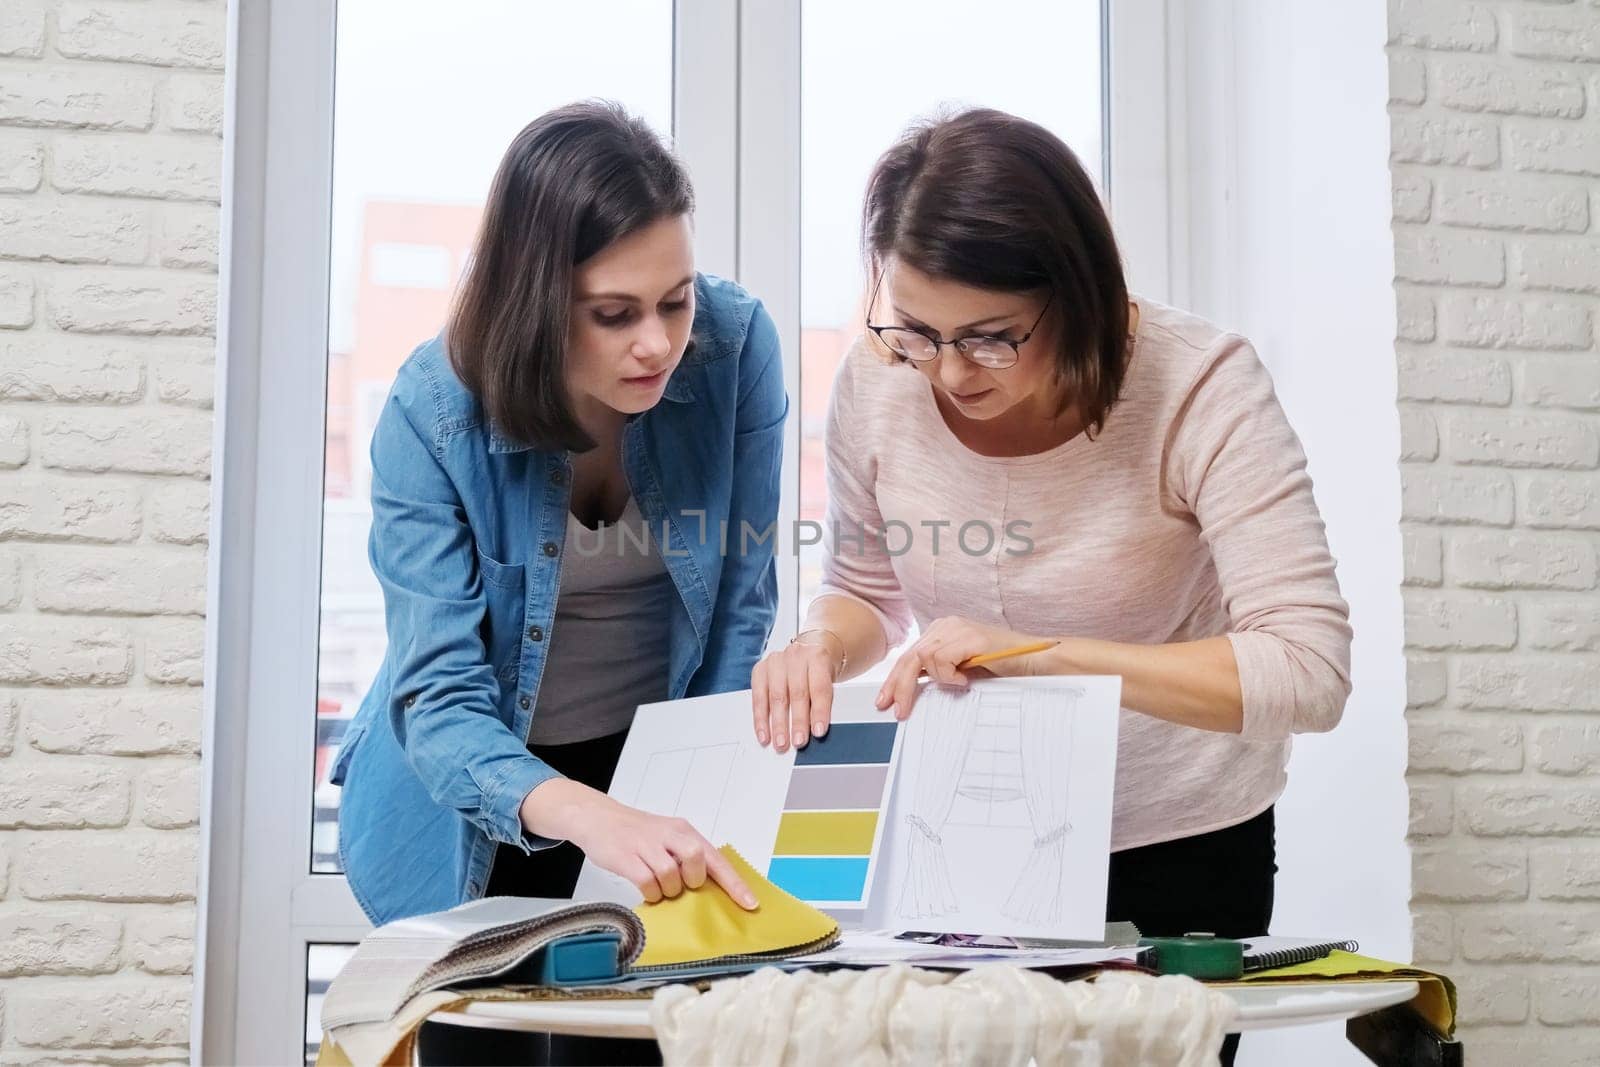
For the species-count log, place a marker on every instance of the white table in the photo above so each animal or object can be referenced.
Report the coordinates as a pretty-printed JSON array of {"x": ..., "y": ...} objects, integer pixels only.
[{"x": 1262, "y": 1007}]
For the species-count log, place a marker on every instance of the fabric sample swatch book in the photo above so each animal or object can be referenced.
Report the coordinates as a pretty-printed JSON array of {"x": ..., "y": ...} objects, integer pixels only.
[{"x": 533, "y": 941}]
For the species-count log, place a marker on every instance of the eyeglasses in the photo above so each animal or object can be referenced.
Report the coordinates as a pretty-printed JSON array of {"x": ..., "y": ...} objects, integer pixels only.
[{"x": 921, "y": 345}]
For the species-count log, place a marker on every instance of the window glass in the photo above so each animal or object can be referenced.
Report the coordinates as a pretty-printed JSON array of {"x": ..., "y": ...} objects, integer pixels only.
[
  {"x": 427, "y": 97},
  {"x": 867, "y": 72}
]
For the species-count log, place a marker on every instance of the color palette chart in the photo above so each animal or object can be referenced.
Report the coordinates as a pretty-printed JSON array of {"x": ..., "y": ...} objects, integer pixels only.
[{"x": 834, "y": 812}]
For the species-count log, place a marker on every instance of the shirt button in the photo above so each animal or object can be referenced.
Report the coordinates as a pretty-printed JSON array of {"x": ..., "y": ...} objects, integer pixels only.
[
  {"x": 536, "y": 633},
  {"x": 558, "y": 478},
  {"x": 550, "y": 548},
  {"x": 523, "y": 703},
  {"x": 411, "y": 700}
]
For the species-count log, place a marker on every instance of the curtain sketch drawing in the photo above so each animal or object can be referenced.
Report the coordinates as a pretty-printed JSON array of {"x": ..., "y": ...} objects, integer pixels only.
[
  {"x": 992, "y": 746},
  {"x": 1045, "y": 727},
  {"x": 937, "y": 741}
]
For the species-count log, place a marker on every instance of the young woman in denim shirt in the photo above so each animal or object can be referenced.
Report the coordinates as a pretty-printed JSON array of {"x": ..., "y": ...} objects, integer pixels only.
[{"x": 549, "y": 479}]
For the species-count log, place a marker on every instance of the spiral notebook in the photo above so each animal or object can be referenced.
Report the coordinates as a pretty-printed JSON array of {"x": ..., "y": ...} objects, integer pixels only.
[{"x": 1267, "y": 953}]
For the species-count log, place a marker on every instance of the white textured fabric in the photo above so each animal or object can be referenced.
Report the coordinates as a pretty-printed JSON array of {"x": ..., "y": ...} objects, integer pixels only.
[{"x": 902, "y": 1016}]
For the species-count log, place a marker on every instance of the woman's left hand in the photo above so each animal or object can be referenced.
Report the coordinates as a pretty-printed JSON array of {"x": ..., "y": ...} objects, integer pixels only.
[{"x": 940, "y": 650}]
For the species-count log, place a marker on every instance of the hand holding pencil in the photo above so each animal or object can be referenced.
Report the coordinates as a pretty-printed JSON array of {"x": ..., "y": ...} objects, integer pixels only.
[
  {"x": 1005, "y": 653},
  {"x": 952, "y": 647},
  {"x": 791, "y": 688}
]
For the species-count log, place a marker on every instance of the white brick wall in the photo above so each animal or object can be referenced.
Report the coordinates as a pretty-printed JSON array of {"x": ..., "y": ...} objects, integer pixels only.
[
  {"x": 110, "y": 171},
  {"x": 1495, "y": 111}
]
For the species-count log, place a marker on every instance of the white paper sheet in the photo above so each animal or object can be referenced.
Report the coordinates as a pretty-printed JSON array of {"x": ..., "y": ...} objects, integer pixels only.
[
  {"x": 698, "y": 759},
  {"x": 1001, "y": 821}
]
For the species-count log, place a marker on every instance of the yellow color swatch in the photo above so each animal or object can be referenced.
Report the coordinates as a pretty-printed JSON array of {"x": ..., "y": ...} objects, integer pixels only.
[
  {"x": 826, "y": 833},
  {"x": 704, "y": 924}
]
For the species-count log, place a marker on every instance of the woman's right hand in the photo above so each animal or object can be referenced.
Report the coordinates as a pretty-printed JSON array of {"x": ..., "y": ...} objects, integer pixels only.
[
  {"x": 662, "y": 856},
  {"x": 791, "y": 692}
]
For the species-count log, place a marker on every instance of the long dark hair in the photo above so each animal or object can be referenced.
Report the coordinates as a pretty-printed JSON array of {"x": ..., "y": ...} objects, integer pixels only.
[
  {"x": 989, "y": 200},
  {"x": 573, "y": 181}
]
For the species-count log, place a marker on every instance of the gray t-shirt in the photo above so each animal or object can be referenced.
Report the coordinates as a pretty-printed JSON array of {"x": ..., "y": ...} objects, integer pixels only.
[{"x": 608, "y": 644}]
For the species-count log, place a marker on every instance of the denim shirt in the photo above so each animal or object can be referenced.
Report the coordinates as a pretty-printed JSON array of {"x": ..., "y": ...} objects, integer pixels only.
[{"x": 467, "y": 542}]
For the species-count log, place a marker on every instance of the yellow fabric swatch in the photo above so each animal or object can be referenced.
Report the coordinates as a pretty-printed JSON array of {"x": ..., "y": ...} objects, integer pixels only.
[
  {"x": 826, "y": 833},
  {"x": 329, "y": 1054},
  {"x": 705, "y": 924},
  {"x": 1435, "y": 1000}
]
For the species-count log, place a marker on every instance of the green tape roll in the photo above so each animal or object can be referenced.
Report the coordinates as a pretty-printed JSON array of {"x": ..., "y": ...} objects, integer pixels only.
[{"x": 1198, "y": 955}]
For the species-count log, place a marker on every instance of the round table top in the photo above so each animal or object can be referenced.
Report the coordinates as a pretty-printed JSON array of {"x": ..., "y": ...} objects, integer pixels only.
[{"x": 1261, "y": 1007}]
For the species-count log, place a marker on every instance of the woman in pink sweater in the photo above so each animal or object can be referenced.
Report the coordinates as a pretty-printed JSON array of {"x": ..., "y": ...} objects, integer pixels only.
[{"x": 1021, "y": 450}]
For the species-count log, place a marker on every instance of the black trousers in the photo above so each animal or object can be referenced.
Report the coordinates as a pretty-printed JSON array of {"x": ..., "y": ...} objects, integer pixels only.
[{"x": 1219, "y": 883}]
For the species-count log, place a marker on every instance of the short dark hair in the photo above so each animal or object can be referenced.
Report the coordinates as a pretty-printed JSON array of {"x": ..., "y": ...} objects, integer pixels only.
[
  {"x": 572, "y": 182},
  {"x": 993, "y": 201}
]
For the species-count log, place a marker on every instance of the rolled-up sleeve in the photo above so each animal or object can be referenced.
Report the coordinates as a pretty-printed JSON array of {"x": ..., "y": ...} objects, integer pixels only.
[
  {"x": 444, "y": 690},
  {"x": 1235, "y": 463},
  {"x": 857, "y": 564}
]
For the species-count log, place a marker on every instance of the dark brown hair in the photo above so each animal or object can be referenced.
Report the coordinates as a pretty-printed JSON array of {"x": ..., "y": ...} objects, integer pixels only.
[
  {"x": 989, "y": 200},
  {"x": 573, "y": 181}
]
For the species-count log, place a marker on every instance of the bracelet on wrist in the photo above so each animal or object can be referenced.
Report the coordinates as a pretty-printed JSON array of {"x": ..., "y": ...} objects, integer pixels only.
[{"x": 820, "y": 632}]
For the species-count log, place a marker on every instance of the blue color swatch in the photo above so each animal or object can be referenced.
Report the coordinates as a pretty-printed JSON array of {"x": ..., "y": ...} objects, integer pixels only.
[
  {"x": 850, "y": 742},
  {"x": 826, "y": 878}
]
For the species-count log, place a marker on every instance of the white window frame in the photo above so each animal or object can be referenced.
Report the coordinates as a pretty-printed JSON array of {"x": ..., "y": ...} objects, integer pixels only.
[{"x": 737, "y": 118}]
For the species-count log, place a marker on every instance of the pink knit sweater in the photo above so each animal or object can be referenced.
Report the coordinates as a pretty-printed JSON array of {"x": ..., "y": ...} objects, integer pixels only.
[{"x": 1189, "y": 516}]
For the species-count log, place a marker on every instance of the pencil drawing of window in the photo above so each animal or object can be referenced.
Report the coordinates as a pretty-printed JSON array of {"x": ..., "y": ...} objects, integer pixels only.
[
  {"x": 689, "y": 783},
  {"x": 989, "y": 793},
  {"x": 1045, "y": 729},
  {"x": 940, "y": 735}
]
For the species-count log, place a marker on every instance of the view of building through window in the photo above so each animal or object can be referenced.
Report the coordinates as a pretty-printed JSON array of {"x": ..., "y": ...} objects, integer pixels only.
[
  {"x": 412, "y": 158},
  {"x": 409, "y": 258},
  {"x": 867, "y": 72}
]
